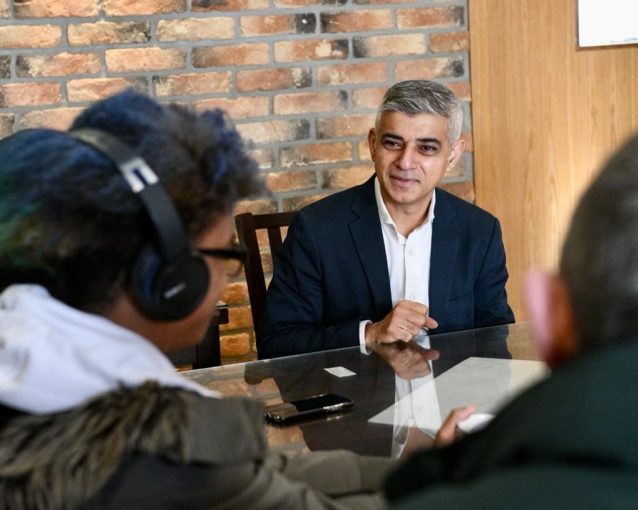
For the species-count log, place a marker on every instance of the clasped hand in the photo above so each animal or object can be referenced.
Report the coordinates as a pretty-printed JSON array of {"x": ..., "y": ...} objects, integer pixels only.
[{"x": 404, "y": 322}]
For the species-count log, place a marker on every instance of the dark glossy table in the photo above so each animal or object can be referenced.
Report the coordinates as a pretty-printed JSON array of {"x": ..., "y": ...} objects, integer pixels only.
[{"x": 485, "y": 366}]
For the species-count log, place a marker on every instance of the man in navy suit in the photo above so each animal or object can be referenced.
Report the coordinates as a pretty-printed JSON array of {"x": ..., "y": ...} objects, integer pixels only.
[{"x": 383, "y": 260}]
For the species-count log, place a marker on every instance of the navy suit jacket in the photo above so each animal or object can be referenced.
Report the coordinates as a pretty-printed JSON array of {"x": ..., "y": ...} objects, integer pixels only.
[{"x": 331, "y": 273}]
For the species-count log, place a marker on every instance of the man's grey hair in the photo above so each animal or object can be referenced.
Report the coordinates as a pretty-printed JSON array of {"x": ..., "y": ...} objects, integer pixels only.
[
  {"x": 599, "y": 260},
  {"x": 423, "y": 96}
]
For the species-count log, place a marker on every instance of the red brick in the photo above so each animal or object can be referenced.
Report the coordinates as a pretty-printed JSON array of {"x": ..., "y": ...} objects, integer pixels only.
[
  {"x": 55, "y": 118},
  {"x": 26, "y": 94},
  {"x": 235, "y": 293},
  {"x": 374, "y": 2},
  {"x": 108, "y": 32},
  {"x": 469, "y": 141},
  {"x": 144, "y": 59},
  {"x": 315, "y": 153},
  {"x": 368, "y": 98},
  {"x": 356, "y": 21},
  {"x": 304, "y": 3},
  {"x": 260, "y": 206},
  {"x": 464, "y": 190},
  {"x": 429, "y": 69},
  {"x": 227, "y": 5},
  {"x": 137, "y": 7},
  {"x": 273, "y": 79},
  {"x": 237, "y": 55},
  {"x": 60, "y": 64},
  {"x": 237, "y": 108},
  {"x": 264, "y": 246},
  {"x": 264, "y": 157},
  {"x": 272, "y": 131},
  {"x": 344, "y": 126},
  {"x": 30, "y": 36},
  {"x": 340, "y": 178},
  {"x": 450, "y": 41},
  {"x": 305, "y": 102},
  {"x": 7, "y": 121},
  {"x": 56, "y": 9},
  {"x": 430, "y": 17},
  {"x": 281, "y": 182},
  {"x": 93, "y": 89},
  {"x": 266, "y": 259},
  {"x": 235, "y": 345},
  {"x": 337, "y": 74},
  {"x": 296, "y": 203},
  {"x": 363, "y": 150},
  {"x": 238, "y": 317},
  {"x": 194, "y": 29},
  {"x": 314, "y": 49},
  {"x": 5, "y": 67},
  {"x": 388, "y": 45},
  {"x": 461, "y": 89},
  {"x": 278, "y": 24},
  {"x": 192, "y": 84}
]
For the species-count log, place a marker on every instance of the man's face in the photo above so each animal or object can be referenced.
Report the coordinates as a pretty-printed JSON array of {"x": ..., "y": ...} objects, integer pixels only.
[{"x": 411, "y": 154}]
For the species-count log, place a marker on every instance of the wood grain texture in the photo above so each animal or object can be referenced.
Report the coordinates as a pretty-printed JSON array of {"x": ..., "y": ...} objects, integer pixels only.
[{"x": 546, "y": 115}]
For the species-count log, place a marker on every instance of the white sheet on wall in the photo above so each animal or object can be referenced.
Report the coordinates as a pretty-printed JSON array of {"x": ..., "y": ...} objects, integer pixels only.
[{"x": 607, "y": 22}]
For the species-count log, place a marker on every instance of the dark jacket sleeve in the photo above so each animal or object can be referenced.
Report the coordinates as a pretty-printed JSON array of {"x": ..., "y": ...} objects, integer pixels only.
[
  {"x": 296, "y": 300},
  {"x": 491, "y": 306}
]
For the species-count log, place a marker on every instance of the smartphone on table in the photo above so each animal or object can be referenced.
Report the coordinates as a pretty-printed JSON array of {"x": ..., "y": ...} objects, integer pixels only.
[{"x": 317, "y": 405}]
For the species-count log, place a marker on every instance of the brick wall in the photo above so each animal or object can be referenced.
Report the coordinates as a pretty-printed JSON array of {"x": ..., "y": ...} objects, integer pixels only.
[{"x": 302, "y": 79}]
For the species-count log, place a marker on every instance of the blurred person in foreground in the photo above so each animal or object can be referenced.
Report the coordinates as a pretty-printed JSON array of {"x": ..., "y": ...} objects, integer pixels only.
[
  {"x": 570, "y": 441},
  {"x": 382, "y": 260},
  {"x": 114, "y": 243}
]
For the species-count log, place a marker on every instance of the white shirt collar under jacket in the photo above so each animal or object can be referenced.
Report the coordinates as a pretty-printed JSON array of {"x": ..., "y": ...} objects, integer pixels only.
[
  {"x": 54, "y": 357},
  {"x": 408, "y": 258}
]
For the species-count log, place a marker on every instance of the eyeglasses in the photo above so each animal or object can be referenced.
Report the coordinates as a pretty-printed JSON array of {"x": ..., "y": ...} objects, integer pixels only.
[{"x": 233, "y": 257}]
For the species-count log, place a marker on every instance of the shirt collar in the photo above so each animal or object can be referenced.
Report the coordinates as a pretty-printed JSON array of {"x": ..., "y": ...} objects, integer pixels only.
[{"x": 384, "y": 215}]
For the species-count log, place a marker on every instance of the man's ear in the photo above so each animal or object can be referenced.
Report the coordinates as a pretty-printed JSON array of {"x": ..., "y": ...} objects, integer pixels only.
[
  {"x": 455, "y": 153},
  {"x": 372, "y": 139},
  {"x": 551, "y": 316}
]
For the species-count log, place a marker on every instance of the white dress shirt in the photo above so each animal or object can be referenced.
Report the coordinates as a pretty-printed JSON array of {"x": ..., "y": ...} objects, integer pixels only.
[{"x": 408, "y": 258}]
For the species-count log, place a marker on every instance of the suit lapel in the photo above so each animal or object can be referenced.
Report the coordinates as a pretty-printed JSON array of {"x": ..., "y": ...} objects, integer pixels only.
[
  {"x": 444, "y": 253},
  {"x": 368, "y": 241}
]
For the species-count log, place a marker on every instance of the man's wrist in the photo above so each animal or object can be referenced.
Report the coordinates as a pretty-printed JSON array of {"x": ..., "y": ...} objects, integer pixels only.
[{"x": 362, "y": 336}]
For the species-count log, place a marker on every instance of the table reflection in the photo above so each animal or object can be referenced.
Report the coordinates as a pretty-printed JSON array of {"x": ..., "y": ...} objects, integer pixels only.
[{"x": 401, "y": 391}]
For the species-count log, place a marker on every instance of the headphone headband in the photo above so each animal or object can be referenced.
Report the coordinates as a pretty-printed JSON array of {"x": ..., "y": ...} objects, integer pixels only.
[
  {"x": 169, "y": 280},
  {"x": 143, "y": 181}
]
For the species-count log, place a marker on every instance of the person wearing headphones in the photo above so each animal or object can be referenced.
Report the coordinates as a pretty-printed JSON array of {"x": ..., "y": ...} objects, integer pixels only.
[{"x": 115, "y": 239}]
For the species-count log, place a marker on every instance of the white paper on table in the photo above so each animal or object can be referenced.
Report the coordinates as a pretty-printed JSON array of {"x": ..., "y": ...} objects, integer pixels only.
[{"x": 486, "y": 383}]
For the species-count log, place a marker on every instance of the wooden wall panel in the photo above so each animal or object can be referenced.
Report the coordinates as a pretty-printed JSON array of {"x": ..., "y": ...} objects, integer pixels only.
[{"x": 546, "y": 115}]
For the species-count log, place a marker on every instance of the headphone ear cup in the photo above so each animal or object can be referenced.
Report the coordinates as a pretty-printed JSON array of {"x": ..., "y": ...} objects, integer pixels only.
[{"x": 168, "y": 291}]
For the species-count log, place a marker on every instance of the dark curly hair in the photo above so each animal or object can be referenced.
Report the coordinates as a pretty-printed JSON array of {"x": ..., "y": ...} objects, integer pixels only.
[{"x": 69, "y": 221}]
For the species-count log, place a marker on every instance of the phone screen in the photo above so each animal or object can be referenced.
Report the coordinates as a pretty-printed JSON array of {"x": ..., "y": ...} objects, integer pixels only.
[{"x": 311, "y": 406}]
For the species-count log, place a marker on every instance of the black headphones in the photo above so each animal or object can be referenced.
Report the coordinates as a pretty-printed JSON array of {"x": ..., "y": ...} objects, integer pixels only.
[{"x": 168, "y": 278}]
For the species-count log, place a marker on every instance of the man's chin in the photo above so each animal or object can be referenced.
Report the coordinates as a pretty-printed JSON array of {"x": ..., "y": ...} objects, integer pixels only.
[{"x": 406, "y": 197}]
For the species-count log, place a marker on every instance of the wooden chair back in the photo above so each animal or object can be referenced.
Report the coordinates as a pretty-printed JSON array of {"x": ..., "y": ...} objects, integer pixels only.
[{"x": 248, "y": 225}]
